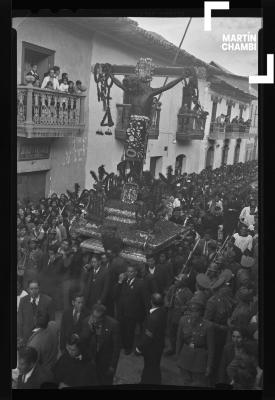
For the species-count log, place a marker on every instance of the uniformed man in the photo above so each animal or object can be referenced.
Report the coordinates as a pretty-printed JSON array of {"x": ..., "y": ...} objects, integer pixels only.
[
  {"x": 195, "y": 345},
  {"x": 213, "y": 272},
  {"x": 218, "y": 310},
  {"x": 176, "y": 302}
]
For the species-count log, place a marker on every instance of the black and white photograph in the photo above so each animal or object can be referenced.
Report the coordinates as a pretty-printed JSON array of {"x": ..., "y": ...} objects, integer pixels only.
[{"x": 137, "y": 202}]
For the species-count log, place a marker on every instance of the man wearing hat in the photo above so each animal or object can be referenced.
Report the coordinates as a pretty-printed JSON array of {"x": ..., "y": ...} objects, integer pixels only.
[
  {"x": 175, "y": 300},
  {"x": 244, "y": 273},
  {"x": 195, "y": 345},
  {"x": 213, "y": 272},
  {"x": 218, "y": 310},
  {"x": 242, "y": 313},
  {"x": 203, "y": 285}
]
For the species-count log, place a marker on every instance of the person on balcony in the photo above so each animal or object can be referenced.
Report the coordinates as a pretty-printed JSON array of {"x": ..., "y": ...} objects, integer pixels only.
[
  {"x": 71, "y": 88},
  {"x": 220, "y": 120},
  {"x": 235, "y": 120},
  {"x": 33, "y": 72},
  {"x": 56, "y": 72},
  {"x": 64, "y": 76},
  {"x": 78, "y": 87},
  {"x": 50, "y": 78},
  {"x": 63, "y": 84}
]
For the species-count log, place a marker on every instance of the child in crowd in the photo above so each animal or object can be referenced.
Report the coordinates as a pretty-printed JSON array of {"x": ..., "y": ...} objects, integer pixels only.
[
  {"x": 71, "y": 88},
  {"x": 64, "y": 75},
  {"x": 64, "y": 86},
  {"x": 78, "y": 87},
  {"x": 49, "y": 85},
  {"x": 33, "y": 72}
]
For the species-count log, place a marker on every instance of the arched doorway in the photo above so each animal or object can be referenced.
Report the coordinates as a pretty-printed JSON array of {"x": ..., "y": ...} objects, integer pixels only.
[
  {"x": 180, "y": 164},
  {"x": 209, "y": 157},
  {"x": 237, "y": 151},
  {"x": 225, "y": 152}
]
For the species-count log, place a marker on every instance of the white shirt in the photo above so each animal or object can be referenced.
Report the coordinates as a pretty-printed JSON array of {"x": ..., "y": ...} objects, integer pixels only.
[
  {"x": 243, "y": 242},
  {"x": 27, "y": 376},
  {"x": 54, "y": 81},
  {"x": 245, "y": 216},
  {"x": 153, "y": 309},
  {"x": 152, "y": 270},
  {"x": 23, "y": 294},
  {"x": 36, "y": 300},
  {"x": 63, "y": 87},
  {"x": 96, "y": 270}
]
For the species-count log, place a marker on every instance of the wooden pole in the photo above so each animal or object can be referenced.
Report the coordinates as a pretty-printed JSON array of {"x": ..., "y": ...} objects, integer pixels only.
[{"x": 176, "y": 55}]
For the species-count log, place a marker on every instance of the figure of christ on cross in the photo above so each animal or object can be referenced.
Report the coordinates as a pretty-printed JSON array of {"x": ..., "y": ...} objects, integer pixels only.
[{"x": 142, "y": 96}]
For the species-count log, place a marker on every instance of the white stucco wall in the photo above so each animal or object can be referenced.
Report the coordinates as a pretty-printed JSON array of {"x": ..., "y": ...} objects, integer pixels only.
[{"x": 73, "y": 50}]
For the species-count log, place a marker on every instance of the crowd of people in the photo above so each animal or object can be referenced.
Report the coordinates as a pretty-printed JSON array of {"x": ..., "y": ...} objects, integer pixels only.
[
  {"x": 51, "y": 80},
  {"x": 195, "y": 302}
]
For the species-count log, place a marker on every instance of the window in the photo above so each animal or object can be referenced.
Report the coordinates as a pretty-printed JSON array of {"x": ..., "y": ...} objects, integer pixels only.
[
  {"x": 237, "y": 152},
  {"x": 32, "y": 54},
  {"x": 155, "y": 165},
  {"x": 225, "y": 153},
  {"x": 180, "y": 164},
  {"x": 210, "y": 157}
]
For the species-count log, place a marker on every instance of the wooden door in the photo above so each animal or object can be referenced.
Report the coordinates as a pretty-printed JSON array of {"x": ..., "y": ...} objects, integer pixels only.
[
  {"x": 209, "y": 157},
  {"x": 31, "y": 185}
]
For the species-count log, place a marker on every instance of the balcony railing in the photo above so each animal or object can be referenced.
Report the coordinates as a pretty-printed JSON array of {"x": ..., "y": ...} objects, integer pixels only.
[
  {"x": 48, "y": 113},
  {"x": 123, "y": 115},
  {"x": 236, "y": 131},
  {"x": 217, "y": 131},
  {"x": 191, "y": 126},
  {"x": 229, "y": 131}
]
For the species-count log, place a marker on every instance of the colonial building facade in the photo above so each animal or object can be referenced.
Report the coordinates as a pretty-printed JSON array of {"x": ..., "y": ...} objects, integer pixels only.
[{"x": 58, "y": 146}]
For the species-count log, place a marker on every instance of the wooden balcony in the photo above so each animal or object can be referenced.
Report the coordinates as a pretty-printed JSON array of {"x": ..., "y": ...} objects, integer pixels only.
[
  {"x": 48, "y": 113},
  {"x": 217, "y": 131},
  {"x": 122, "y": 121},
  {"x": 191, "y": 126},
  {"x": 237, "y": 131}
]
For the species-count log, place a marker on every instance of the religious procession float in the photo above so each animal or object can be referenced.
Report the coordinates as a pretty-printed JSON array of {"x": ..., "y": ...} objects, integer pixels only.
[{"x": 122, "y": 210}]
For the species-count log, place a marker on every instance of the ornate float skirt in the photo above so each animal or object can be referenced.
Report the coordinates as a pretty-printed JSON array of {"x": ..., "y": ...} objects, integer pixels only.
[{"x": 136, "y": 138}]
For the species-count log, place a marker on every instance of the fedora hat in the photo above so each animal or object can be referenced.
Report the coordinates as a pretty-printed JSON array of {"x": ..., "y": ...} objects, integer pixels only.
[
  {"x": 203, "y": 281},
  {"x": 227, "y": 275}
]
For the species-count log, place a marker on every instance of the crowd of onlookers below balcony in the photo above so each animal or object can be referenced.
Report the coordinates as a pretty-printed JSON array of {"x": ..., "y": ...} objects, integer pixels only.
[{"x": 51, "y": 81}]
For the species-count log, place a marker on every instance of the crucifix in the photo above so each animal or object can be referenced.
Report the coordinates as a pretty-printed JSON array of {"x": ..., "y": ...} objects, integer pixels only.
[{"x": 137, "y": 86}]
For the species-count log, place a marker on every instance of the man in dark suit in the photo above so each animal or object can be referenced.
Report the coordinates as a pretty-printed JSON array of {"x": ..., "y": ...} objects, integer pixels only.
[
  {"x": 71, "y": 370},
  {"x": 157, "y": 278},
  {"x": 131, "y": 305},
  {"x": 44, "y": 339},
  {"x": 31, "y": 375},
  {"x": 118, "y": 266},
  {"x": 100, "y": 341},
  {"x": 29, "y": 307},
  {"x": 72, "y": 318},
  {"x": 153, "y": 342},
  {"x": 97, "y": 288}
]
